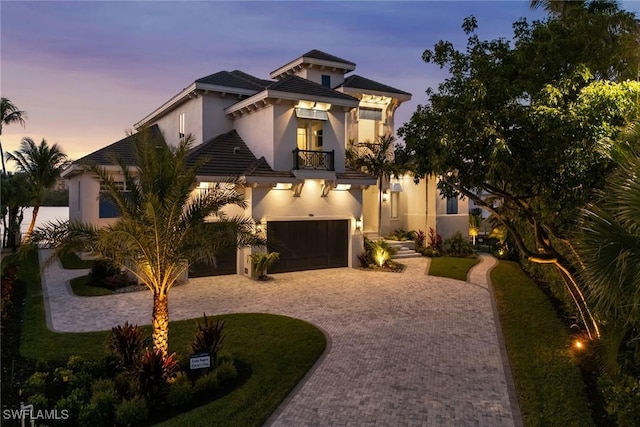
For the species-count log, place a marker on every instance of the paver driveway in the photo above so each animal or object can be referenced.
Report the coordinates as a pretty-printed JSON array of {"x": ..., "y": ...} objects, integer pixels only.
[{"x": 404, "y": 349}]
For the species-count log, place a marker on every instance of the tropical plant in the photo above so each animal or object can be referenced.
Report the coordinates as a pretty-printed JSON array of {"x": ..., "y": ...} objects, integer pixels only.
[
  {"x": 377, "y": 253},
  {"x": 127, "y": 342},
  {"x": 9, "y": 114},
  {"x": 457, "y": 245},
  {"x": 262, "y": 261},
  {"x": 162, "y": 224},
  {"x": 539, "y": 142},
  {"x": 155, "y": 371},
  {"x": 208, "y": 338},
  {"x": 42, "y": 164},
  {"x": 15, "y": 196},
  {"x": 375, "y": 158}
]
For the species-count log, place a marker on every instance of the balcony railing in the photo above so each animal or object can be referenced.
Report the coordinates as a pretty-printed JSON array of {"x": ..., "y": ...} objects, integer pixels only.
[{"x": 312, "y": 159}]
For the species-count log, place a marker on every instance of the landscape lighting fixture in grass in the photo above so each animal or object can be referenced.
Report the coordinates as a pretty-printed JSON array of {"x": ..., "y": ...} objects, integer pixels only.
[
  {"x": 381, "y": 256},
  {"x": 578, "y": 344}
]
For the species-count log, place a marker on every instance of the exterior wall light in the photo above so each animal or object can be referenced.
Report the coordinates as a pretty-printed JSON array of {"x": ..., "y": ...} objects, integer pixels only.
[
  {"x": 342, "y": 187},
  {"x": 359, "y": 224},
  {"x": 283, "y": 186},
  {"x": 385, "y": 196}
]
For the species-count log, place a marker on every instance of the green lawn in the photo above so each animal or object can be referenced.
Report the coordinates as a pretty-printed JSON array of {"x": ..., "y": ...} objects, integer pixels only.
[
  {"x": 81, "y": 288},
  {"x": 278, "y": 350},
  {"x": 73, "y": 262},
  {"x": 452, "y": 267},
  {"x": 548, "y": 382}
]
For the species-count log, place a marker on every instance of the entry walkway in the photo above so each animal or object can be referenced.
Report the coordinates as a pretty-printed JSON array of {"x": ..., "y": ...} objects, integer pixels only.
[{"x": 404, "y": 349}]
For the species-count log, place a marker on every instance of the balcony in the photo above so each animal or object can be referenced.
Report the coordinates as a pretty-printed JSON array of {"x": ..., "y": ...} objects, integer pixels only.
[{"x": 313, "y": 160}]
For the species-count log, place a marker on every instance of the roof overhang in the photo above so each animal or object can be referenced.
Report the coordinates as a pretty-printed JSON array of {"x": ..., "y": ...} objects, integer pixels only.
[
  {"x": 357, "y": 92},
  {"x": 268, "y": 97},
  {"x": 306, "y": 62},
  {"x": 193, "y": 91}
]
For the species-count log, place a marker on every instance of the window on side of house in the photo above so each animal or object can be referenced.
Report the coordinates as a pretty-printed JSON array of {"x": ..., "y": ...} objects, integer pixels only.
[
  {"x": 366, "y": 113},
  {"x": 452, "y": 205},
  {"x": 395, "y": 204},
  {"x": 106, "y": 208},
  {"x": 181, "y": 125},
  {"x": 326, "y": 81}
]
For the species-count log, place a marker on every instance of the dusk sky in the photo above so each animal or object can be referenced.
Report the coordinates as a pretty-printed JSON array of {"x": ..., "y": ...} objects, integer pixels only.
[{"x": 86, "y": 71}]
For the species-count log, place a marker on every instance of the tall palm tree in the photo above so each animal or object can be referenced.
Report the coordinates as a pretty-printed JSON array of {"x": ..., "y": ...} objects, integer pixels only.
[
  {"x": 161, "y": 228},
  {"x": 9, "y": 114},
  {"x": 42, "y": 165},
  {"x": 375, "y": 158}
]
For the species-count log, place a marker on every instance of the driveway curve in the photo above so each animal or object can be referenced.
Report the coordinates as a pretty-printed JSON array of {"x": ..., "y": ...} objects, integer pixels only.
[{"x": 405, "y": 348}]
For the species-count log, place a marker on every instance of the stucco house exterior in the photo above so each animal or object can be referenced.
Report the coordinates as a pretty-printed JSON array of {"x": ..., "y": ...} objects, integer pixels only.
[{"x": 284, "y": 139}]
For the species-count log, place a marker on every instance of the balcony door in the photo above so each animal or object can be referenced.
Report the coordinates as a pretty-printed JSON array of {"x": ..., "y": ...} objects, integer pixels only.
[{"x": 310, "y": 134}]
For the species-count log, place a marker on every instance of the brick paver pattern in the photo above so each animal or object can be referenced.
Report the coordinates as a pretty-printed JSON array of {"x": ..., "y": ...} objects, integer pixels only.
[{"x": 404, "y": 349}]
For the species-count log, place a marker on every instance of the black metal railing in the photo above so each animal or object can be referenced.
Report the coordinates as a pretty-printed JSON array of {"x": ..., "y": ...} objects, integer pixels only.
[{"x": 312, "y": 159}]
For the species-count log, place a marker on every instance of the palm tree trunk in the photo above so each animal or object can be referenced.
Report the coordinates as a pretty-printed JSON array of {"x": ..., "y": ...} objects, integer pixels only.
[
  {"x": 380, "y": 207},
  {"x": 160, "y": 322},
  {"x": 36, "y": 208}
]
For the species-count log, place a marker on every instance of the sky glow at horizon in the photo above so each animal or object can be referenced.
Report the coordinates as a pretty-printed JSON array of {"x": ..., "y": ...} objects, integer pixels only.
[{"x": 86, "y": 72}]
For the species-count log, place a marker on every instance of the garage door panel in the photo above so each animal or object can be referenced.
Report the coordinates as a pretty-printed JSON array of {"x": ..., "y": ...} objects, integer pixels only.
[{"x": 306, "y": 245}]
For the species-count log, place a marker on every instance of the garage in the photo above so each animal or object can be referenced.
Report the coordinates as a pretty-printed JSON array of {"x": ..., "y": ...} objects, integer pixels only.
[{"x": 308, "y": 245}]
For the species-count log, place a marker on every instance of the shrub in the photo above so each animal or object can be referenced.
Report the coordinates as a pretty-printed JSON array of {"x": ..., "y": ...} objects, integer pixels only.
[
  {"x": 458, "y": 245},
  {"x": 418, "y": 239},
  {"x": 35, "y": 384},
  {"x": 435, "y": 240},
  {"x": 105, "y": 274},
  {"x": 622, "y": 395},
  {"x": 207, "y": 384},
  {"x": 180, "y": 391},
  {"x": 377, "y": 254},
  {"x": 430, "y": 252},
  {"x": 154, "y": 373},
  {"x": 7, "y": 282},
  {"x": 73, "y": 403},
  {"x": 132, "y": 412},
  {"x": 401, "y": 234},
  {"x": 39, "y": 401},
  {"x": 208, "y": 338},
  {"x": 127, "y": 342},
  {"x": 262, "y": 261}
]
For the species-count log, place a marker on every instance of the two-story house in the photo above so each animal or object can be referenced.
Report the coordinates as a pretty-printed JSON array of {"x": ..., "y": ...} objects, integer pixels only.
[{"x": 284, "y": 139}]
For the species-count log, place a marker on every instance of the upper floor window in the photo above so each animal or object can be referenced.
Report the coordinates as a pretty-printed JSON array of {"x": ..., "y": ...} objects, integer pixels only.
[
  {"x": 452, "y": 205},
  {"x": 366, "y": 113},
  {"x": 310, "y": 134},
  {"x": 326, "y": 81},
  {"x": 181, "y": 126}
]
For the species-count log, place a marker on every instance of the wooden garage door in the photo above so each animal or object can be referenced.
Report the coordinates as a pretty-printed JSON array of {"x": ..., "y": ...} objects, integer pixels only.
[{"x": 308, "y": 245}]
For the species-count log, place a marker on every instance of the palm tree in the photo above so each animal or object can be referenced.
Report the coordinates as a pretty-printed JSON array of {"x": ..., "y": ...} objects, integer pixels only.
[
  {"x": 161, "y": 228},
  {"x": 42, "y": 165},
  {"x": 609, "y": 251},
  {"x": 375, "y": 158},
  {"x": 9, "y": 114}
]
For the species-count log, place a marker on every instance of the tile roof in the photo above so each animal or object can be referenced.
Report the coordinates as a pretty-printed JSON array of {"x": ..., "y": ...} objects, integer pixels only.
[
  {"x": 350, "y": 174},
  {"x": 123, "y": 149},
  {"x": 359, "y": 82},
  {"x": 226, "y": 154},
  {"x": 318, "y": 54},
  {"x": 295, "y": 84},
  {"x": 234, "y": 79}
]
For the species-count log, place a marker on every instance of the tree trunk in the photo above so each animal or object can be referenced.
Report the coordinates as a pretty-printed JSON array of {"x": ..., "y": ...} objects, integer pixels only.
[
  {"x": 160, "y": 323},
  {"x": 36, "y": 208}
]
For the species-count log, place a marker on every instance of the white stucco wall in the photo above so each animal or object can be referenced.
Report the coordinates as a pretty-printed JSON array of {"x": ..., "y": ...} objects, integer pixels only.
[
  {"x": 280, "y": 205},
  {"x": 256, "y": 130},
  {"x": 169, "y": 123},
  {"x": 315, "y": 75},
  {"x": 215, "y": 122},
  {"x": 84, "y": 193}
]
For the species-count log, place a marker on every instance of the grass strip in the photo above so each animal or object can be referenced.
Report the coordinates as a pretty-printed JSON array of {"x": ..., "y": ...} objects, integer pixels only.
[
  {"x": 72, "y": 261},
  {"x": 548, "y": 382},
  {"x": 279, "y": 351},
  {"x": 452, "y": 267},
  {"x": 80, "y": 287}
]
